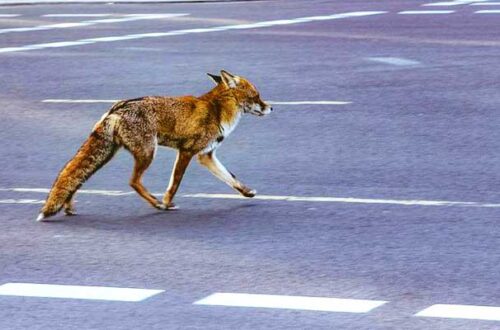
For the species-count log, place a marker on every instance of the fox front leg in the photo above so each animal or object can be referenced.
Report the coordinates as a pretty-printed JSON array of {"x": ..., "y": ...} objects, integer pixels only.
[
  {"x": 210, "y": 161},
  {"x": 181, "y": 163}
]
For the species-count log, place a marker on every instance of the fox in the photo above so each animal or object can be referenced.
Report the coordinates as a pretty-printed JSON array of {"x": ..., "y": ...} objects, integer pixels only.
[{"x": 194, "y": 126}]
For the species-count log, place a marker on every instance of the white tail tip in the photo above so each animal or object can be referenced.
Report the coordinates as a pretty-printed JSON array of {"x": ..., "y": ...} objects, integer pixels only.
[{"x": 40, "y": 217}]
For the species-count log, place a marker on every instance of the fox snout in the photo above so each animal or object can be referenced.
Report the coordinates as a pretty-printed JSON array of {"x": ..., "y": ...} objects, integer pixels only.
[
  {"x": 260, "y": 109},
  {"x": 267, "y": 110}
]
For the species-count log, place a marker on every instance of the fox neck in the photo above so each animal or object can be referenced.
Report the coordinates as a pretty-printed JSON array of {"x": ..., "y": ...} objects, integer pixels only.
[{"x": 223, "y": 101}]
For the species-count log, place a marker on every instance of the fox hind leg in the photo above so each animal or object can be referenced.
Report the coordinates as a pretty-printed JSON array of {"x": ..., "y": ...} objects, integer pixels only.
[
  {"x": 142, "y": 162},
  {"x": 69, "y": 207},
  {"x": 143, "y": 153}
]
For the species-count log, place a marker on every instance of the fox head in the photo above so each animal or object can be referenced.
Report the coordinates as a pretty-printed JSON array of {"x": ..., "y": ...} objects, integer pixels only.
[{"x": 245, "y": 94}]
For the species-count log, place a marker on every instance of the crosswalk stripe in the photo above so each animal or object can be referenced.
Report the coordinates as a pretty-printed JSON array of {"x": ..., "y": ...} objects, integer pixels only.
[
  {"x": 488, "y": 313},
  {"x": 291, "y": 302},
  {"x": 76, "y": 292}
]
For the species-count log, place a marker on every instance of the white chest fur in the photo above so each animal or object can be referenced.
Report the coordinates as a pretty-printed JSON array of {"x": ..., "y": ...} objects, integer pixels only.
[{"x": 225, "y": 130}]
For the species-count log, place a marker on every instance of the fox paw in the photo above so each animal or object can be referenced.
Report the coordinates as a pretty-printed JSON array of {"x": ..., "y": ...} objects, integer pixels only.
[
  {"x": 165, "y": 207},
  {"x": 247, "y": 192},
  {"x": 70, "y": 212}
]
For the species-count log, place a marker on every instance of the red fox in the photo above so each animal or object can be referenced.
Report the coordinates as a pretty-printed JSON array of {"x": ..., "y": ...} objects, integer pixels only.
[{"x": 195, "y": 126}]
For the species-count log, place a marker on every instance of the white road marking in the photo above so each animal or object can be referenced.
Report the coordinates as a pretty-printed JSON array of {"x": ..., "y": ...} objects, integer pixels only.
[
  {"x": 271, "y": 102},
  {"x": 346, "y": 200},
  {"x": 88, "y": 23},
  {"x": 76, "y": 292},
  {"x": 309, "y": 102},
  {"x": 324, "y": 199},
  {"x": 291, "y": 302},
  {"x": 81, "y": 191},
  {"x": 492, "y": 11},
  {"x": 462, "y": 312},
  {"x": 425, "y": 12},
  {"x": 77, "y": 15},
  {"x": 452, "y": 3},
  {"x": 9, "y": 15},
  {"x": 394, "y": 61},
  {"x": 21, "y": 201},
  {"x": 256, "y": 25},
  {"x": 485, "y": 4},
  {"x": 77, "y": 101}
]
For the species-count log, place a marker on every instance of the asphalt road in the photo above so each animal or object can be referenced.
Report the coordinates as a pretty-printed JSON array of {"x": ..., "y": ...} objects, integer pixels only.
[{"x": 421, "y": 126}]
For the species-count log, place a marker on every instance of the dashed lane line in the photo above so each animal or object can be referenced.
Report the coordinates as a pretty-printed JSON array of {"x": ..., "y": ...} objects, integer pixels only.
[
  {"x": 291, "y": 302},
  {"x": 425, "y": 12},
  {"x": 309, "y": 102},
  {"x": 394, "y": 61},
  {"x": 322, "y": 199},
  {"x": 78, "y": 101},
  {"x": 452, "y": 3},
  {"x": 491, "y": 11},
  {"x": 257, "y": 25},
  {"x": 102, "y": 15},
  {"x": 81, "y": 191},
  {"x": 76, "y": 292},
  {"x": 346, "y": 200},
  {"x": 21, "y": 201},
  {"x": 470, "y": 312},
  {"x": 77, "y": 15},
  {"x": 9, "y": 15},
  {"x": 89, "y": 23}
]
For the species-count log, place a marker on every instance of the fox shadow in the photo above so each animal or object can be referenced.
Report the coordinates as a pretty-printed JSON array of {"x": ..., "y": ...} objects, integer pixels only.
[{"x": 163, "y": 222}]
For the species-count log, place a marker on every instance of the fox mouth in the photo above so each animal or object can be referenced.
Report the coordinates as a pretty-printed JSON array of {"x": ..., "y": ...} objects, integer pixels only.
[
  {"x": 258, "y": 113},
  {"x": 258, "y": 110}
]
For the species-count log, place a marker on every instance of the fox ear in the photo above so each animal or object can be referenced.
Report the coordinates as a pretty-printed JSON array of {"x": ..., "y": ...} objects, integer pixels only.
[
  {"x": 229, "y": 79},
  {"x": 216, "y": 79}
]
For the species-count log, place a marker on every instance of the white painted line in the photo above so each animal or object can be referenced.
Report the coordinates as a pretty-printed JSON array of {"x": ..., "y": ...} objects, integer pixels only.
[
  {"x": 485, "y": 4},
  {"x": 291, "y": 302},
  {"x": 309, "y": 102},
  {"x": 77, "y": 15},
  {"x": 21, "y": 201},
  {"x": 425, "y": 12},
  {"x": 394, "y": 61},
  {"x": 257, "y": 25},
  {"x": 9, "y": 15},
  {"x": 346, "y": 200},
  {"x": 462, "y": 312},
  {"x": 88, "y": 23},
  {"x": 76, "y": 292},
  {"x": 451, "y": 3},
  {"x": 282, "y": 198},
  {"x": 271, "y": 102},
  {"x": 492, "y": 11},
  {"x": 81, "y": 191},
  {"x": 77, "y": 101}
]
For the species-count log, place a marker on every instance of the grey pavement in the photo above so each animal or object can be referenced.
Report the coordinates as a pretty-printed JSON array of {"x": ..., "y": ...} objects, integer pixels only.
[
  {"x": 61, "y": 2},
  {"x": 422, "y": 125}
]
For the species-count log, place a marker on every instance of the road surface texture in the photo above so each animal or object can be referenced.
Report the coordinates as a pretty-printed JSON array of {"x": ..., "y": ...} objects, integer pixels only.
[{"x": 378, "y": 173}]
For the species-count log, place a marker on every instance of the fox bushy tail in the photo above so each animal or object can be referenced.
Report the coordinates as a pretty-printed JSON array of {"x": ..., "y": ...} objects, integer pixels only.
[{"x": 95, "y": 152}]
